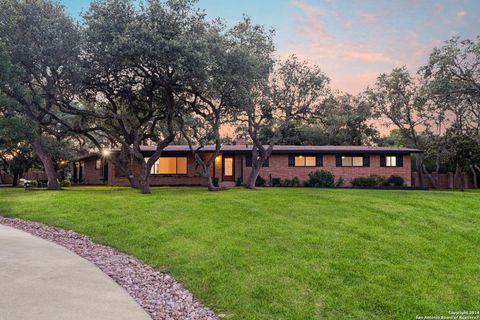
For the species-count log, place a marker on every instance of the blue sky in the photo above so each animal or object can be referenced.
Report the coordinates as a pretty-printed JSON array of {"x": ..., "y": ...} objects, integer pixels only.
[{"x": 352, "y": 41}]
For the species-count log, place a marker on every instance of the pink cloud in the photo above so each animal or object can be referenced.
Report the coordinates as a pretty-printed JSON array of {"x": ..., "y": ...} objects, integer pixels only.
[
  {"x": 310, "y": 24},
  {"x": 438, "y": 9},
  {"x": 461, "y": 13},
  {"x": 367, "y": 17},
  {"x": 367, "y": 56}
]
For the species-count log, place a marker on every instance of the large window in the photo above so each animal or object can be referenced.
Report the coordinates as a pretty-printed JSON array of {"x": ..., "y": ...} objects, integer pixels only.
[
  {"x": 305, "y": 161},
  {"x": 352, "y": 161},
  {"x": 391, "y": 161},
  {"x": 98, "y": 164},
  {"x": 170, "y": 165}
]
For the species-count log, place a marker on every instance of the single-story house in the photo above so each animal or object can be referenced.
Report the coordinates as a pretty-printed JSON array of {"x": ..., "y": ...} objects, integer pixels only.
[{"x": 177, "y": 164}]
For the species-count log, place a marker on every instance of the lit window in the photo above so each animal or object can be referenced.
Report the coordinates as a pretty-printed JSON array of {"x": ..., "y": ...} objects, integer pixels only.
[
  {"x": 352, "y": 161},
  {"x": 169, "y": 165},
  {"x": 391, "y": 161},
  {"x": 182, "y": 165},
  {"x": 305, "y": 161},
  {"x": 98, "y": 163}
]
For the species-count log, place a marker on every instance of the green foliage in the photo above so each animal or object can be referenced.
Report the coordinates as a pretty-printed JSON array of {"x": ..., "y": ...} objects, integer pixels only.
[
  {"x": 65, "y": 183},
  {"x": 261, "y": 182},
  {"x": 339, "y": 120},
  {"x": 287, "y": 183},
  {"x": 321, "y": 178},
  {"x": 395, "y": 181},
  {"x": 340, "y": 182},
  {"x": 34, "y": 184},
  {"x": 372, "y": 180},
  {"x": 296, "y": 182},
  {"x": 276, "y": 182}
]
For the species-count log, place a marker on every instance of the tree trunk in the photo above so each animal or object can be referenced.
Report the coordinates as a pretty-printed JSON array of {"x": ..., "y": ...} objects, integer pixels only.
[
  {"x": 458, "y": 178},
  {"x": 16, "y": 175},
  {"x": 134, "y": 181},
  {"x": 48, "y": 165},
  {"x": 433, "y": 180},
  {"x": 211, "y": 186},
  {"x": 144, "y": 181},
  {"x": 123, "y": 163},
  {"x": 474, "y": 174},
  {"x": 418, "y": 168},
  {"x": 252, "y": 179}
]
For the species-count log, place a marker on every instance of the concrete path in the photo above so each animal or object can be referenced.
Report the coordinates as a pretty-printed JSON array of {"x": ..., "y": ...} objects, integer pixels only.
[{"x": 42, "y": 280}]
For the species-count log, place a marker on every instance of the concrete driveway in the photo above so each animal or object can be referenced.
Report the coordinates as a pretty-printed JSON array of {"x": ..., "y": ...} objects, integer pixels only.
[{"x": 41, "y": 280}]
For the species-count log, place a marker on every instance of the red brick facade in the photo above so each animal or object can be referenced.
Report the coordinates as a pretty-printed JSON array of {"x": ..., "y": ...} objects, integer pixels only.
[{"x": 278, "y": 168}]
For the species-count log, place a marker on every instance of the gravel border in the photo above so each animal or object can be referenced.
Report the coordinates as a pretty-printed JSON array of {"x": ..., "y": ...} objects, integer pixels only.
[{"x": 159, "y": 294}]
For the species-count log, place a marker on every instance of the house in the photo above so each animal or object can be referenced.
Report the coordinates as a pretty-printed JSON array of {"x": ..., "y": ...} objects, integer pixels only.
[{"x": 177, "y": 165}]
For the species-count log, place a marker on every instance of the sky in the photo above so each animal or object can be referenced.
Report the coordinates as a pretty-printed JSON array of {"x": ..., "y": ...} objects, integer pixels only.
[{"x": 352, "y": 41}]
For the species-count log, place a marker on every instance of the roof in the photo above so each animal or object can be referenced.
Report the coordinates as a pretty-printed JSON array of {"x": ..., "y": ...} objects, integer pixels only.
[
  {"x": 278, "y": 149},
  {"x": 289, "y": 149}
]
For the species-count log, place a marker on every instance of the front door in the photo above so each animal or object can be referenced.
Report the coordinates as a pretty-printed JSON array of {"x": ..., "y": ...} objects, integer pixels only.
[
  {"x": 104, "y": 172},
  {"x": 228, "y": 168}
]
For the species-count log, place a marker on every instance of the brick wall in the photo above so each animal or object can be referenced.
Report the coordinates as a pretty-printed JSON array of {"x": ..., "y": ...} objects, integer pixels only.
[
  {"x": 193, "y": 176},
  {"x": 278, "y": 168},
  {"x": 90, "y": 174}
]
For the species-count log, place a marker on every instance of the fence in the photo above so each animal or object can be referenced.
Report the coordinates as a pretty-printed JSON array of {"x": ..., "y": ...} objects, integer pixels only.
[{"x": 444, "y": 180}]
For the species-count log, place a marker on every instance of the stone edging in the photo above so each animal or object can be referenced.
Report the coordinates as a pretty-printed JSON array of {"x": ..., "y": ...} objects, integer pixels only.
[{"x": 159, "y": 294}]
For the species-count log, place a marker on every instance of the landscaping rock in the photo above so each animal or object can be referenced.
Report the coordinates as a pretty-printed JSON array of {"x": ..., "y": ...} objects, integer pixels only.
[{"x": 158, "y": 293}]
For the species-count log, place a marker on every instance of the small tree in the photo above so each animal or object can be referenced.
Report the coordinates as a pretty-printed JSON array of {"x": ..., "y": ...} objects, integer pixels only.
[
  {"x": 222, "y": 87},
  {"x": 396, "y": 97},
  {"x": 293, "y": 92},
  {"x": 452, "y": 88}
]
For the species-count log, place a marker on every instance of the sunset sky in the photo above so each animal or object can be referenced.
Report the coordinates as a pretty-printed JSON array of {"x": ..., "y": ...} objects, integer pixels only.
[{"x": 352, "y": 41}]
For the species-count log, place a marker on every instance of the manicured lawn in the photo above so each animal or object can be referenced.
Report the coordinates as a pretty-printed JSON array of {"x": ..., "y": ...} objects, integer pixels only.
[{"x": 287, "y": 253}]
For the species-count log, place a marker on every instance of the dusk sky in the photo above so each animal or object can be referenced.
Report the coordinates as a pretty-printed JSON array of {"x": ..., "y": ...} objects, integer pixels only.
[{"x": 352, "y": 41}]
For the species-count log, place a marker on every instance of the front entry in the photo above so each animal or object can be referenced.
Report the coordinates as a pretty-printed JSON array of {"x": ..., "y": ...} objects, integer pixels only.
[{"x": 228, "y": 168}]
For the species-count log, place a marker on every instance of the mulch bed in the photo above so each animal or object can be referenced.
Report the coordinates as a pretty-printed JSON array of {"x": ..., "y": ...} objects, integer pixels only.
[{"x": 159, "y": 294}]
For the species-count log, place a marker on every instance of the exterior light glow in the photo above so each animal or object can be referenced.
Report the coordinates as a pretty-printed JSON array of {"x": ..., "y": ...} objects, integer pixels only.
[{"x": 105, "y": 152}]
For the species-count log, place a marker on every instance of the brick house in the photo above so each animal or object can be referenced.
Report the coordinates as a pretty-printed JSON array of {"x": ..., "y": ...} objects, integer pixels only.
[{"x": 177, "y": 165}]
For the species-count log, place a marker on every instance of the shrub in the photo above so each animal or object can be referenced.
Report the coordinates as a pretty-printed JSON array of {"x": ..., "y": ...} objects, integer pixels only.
[
  {"x": 340, "y": 182},
  {"x": 395, "y": 181},
  {"x": 287, "y": 183},
  {"x": 65, "y": 183},
  {"x": 276, "y": 182},
  {"x": 34, "y": 184},
  {"x": 372, "y": 180},
  {"x": 321, "y": 178},
  {"x": 296, "y": 182},
  {"x": 260, "y": 182}
]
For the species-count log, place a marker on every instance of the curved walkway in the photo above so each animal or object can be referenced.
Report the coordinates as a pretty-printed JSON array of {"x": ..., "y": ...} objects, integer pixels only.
[{"x": 42, "y": 280}]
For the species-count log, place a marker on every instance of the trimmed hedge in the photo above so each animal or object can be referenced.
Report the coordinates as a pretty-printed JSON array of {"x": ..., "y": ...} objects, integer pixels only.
[{"x": 320, "y": 178}]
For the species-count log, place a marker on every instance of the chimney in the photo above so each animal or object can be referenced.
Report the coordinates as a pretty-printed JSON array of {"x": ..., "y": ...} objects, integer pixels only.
[{"x": 239, "y": 141}]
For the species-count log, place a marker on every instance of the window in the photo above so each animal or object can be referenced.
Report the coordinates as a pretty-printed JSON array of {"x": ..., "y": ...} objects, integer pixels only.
[
  {"x": 98, "y": 164},
  {"x": 169, "y": 165},
  {"x": 391, "y": 161},
  {"x": 352, "y": 161},
  {"x": 305, "y": 161}
]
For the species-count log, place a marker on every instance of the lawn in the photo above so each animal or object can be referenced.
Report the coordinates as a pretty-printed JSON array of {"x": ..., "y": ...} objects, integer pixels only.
[{"x": 287, "y": 253}]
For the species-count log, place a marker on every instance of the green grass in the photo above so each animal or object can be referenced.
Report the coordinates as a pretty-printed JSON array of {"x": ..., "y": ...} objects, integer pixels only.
[{"x": 287, "y": 253}]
